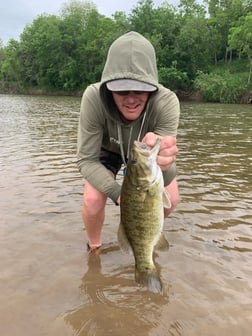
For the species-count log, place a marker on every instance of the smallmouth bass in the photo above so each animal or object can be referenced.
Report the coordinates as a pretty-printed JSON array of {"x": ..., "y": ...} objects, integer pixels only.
[{"x": 142, "y": 203}]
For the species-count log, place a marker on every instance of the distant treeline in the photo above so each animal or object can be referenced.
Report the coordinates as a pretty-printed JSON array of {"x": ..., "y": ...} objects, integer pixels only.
[{"x": 205, "y": 47}]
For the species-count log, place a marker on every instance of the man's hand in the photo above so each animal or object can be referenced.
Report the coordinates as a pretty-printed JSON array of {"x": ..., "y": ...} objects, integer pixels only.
[{"x": 168, "y": 149}]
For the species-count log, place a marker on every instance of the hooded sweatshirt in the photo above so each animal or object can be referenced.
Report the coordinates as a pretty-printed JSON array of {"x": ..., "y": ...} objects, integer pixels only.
[{"x": 131, "y": 56}]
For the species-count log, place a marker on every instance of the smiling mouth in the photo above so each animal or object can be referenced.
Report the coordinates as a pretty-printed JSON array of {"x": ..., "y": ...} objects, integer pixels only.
[{"x": 132, "y": 107}]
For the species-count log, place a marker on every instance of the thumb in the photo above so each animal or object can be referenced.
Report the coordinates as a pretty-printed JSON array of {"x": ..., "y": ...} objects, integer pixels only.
[{"x": 150, "y": 139}]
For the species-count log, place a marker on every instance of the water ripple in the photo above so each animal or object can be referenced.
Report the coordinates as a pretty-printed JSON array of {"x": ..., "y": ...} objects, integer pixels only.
[{"x": 207, "y": 270}]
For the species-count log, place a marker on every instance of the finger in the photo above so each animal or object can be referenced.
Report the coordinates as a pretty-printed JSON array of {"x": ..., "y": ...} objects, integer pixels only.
[
  {"x": 168, "y": 142},
  {"x": 170, "y": 151},
  {"x": 150, "y": 139},
  {"x": 165, "y": 161}
]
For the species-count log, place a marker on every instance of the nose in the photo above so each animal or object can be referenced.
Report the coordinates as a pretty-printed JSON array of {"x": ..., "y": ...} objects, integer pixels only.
[{"x": 131, "y": 95}]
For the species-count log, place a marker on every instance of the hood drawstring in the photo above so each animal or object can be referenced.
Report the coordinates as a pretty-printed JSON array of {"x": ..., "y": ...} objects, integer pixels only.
[
  {"x": 119, "y": 130},
  {"x": 141, "y": 128}
]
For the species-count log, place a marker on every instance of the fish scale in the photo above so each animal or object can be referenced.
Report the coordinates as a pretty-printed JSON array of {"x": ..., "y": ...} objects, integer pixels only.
[{"x": 142, "y": 213}]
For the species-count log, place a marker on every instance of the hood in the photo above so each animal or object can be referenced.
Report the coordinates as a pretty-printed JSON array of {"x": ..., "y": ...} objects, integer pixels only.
[{"x": 130, "y": 56}]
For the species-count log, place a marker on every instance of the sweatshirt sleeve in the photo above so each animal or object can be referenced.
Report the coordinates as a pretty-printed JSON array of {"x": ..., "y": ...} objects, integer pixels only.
[
  {"x": 89, "y": 142},
  {"x": 167, "y": 118}
]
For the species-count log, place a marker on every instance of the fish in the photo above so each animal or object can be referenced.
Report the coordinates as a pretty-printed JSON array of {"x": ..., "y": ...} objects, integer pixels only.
[{"x": 142, "y": 201}]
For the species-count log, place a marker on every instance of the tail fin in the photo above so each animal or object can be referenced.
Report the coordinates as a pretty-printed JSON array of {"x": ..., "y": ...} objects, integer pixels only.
[{"x": 151, "y": 279}]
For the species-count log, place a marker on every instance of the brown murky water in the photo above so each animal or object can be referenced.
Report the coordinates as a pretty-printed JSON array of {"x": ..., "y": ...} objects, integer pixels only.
[{"x": 49, "y": 285}]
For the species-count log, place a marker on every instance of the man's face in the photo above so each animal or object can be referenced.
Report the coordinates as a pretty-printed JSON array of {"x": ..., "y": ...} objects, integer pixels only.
[{"x": 130, "y": 103}]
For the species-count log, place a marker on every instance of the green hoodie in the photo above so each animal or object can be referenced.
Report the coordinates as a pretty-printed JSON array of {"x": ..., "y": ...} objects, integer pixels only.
[{"x": 100, "y": 126}]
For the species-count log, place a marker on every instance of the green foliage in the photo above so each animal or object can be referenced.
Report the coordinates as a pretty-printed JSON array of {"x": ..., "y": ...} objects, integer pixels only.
[
  {"x": 9, "y": 61},
  {"x": 222, "y": 88},
  {"x": 193, "y": 53},
  {"x": 143, "y": 17},
  {"x": 222, "y": 16},
  {"x": 240, "y": 39},
  {"x": 67, "y": 51},
  {"x": 40, "y": 52},
  {"x": 173, "y": 78}
]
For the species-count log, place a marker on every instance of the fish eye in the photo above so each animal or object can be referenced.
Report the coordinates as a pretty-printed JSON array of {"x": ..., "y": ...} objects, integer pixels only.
[{"x": 144, "y": 146}]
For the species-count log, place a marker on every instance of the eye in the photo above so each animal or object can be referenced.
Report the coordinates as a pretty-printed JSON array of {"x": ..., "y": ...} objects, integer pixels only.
[{"x": 144, "y": 146}]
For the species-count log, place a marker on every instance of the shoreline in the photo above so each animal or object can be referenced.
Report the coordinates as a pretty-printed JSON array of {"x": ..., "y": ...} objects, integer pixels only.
[{"x": 183, "y": 96}]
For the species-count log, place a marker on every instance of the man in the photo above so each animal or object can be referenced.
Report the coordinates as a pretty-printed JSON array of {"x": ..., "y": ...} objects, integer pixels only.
[{"x": 128, "y": 104}]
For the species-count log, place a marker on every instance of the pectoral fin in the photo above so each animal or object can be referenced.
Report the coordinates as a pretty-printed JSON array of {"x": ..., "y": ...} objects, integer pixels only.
[
  {"x": 162, "y": 244},
  {"x": 166, "y": 199},
  {"x": 123, "y": 240}
]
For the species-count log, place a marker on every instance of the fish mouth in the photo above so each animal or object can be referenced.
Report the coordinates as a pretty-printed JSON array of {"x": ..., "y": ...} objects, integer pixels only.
[
  {"x": 148, "y": 154},
  {"x": 142, "y": 146},
  {"x": 141, "y": 149},
  {"x": 147, "y": 150}
]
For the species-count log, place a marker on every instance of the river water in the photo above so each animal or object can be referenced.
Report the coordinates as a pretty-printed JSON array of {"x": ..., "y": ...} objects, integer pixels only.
[{"x": 48, "y": 283}]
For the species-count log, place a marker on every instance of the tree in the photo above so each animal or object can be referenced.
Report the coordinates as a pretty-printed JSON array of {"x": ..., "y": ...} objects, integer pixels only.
[
  {"x": 143, "y": 18},
  {"x": 193, "y": 50},
  {"x": 240, "y": 39},
  {"x": 1, "y": 56},
  {"x": 10, "y": 65},
  {"x": 121, "y": 21},
  {"x": 165, "y": 38},
  {"x": 67, "y": 52},
  {"x": 40, "y": 52},
  {"x": 86, "y": 35},
  {"x": 224, "y": 14}
]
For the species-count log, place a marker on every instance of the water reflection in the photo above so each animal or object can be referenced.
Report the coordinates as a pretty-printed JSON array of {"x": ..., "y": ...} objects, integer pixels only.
[{"x": 113, "y": 304}]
